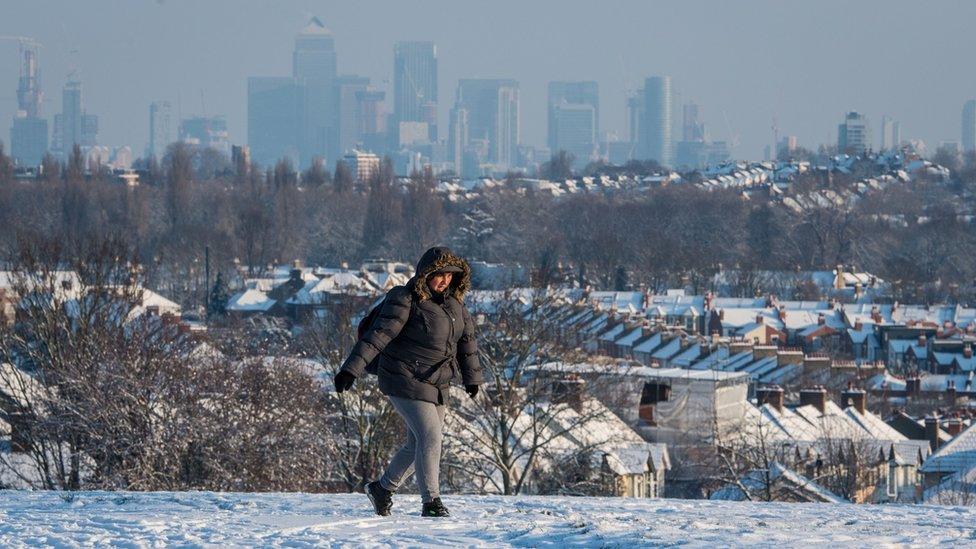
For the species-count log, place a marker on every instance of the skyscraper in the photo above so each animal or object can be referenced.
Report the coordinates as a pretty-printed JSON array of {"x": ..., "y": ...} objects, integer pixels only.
[
  {"x": 493, "y": 116},
  {"x": 854, "y": 134},
  {"x": 206, "y": 132},
  {"x": 692, "y": 127},
  {"x": 574, "y": 118},
  {"x": 274, "y": 119},
  {"x": 655, "y": 131},
  {"x": 572, "y": 93},
  {"x": 573, "y": 126},
  {"x": 372, "y": 119},
  {"x": 969, "y": 126},
  {"x": 347, "y": 88},
  {"x": 458, "y": 139},
  {"x": 28, "y": 135},
  {"x": 160, "y": 128},
  {"x": 415, "y": 85},
  {"x": 314, "y": 66},
  {"x": 73, "y": 126}
]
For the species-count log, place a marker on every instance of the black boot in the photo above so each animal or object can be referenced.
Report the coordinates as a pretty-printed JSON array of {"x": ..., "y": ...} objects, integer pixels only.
[
  {"x": 381, "y": 498},
  {"x": 434, "y": 508}
]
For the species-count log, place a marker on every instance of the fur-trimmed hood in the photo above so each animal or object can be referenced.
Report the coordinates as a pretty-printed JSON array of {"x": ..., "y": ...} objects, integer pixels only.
[{"x": 434, "y": 260}]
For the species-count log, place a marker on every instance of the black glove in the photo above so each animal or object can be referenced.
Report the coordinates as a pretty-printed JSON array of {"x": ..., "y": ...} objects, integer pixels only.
[
  {"x": 472, "y": 390},
  {"x": 343, "y": 381}
]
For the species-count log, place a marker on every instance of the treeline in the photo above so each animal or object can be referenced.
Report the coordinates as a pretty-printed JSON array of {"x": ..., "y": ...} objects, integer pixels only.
[{"x": 910, "y": 234}]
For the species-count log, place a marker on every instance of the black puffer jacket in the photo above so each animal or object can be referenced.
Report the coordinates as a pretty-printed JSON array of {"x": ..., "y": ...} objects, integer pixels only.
[{"x": 423, "y": 339}]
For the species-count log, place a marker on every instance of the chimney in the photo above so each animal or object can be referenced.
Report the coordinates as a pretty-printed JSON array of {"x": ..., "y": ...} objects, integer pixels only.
[
  {"x": 295, "y": 279},
  {"x": 951, "y": 393},
  {"x": 839, "y": 279},
  {"x": 913, "y": 385},
  {"x": 854, "y": 397},
  {"x": 759, "y": 318},
  {"x": 967, "y": 350},
  {"x": 821, "y": 319},
  {"x": 296, "y": 264},
  {"x": 954, "y": 426},
  {"x": 858, "y": 326},
  {"x": 921, "y": 340},
  {"x": 569, "y": 390},
  {"x": 932, "y": 431},
  {"x": 816, "y": 397},
  {"x": 721, "y": 314},
  {"x": 772, "y": 395},
  {"x": 782, "y": 312}
]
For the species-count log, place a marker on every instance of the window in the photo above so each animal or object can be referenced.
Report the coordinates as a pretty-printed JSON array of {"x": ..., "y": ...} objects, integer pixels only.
[
  {"x": 654, "y": 393},
  {"x": 892, "y": 480}
]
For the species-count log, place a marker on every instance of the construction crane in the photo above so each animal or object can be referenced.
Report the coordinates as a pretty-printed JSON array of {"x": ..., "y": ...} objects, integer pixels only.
[{"x": 24, "y": 41}]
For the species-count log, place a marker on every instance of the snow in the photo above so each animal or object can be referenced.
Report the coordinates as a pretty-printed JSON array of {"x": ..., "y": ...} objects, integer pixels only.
[{"x": 129, "y": 519}]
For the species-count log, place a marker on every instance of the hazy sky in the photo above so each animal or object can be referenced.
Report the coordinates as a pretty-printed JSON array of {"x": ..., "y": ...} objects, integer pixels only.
[{"x": 742, "y": 61}]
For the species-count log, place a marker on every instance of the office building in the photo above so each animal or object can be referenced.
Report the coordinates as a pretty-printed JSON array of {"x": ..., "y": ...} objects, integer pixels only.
[
  {"x": 574, "y": 119},
  {"x": 206, "y": 132},
  {"x": 73, "y": 126},
  {"x": 372, "y": 119},
  {"x": 415, "y": 85},
  {"x": 635, "y": 113},
  {"x": 347, "y": 89},
  {"x": 969, "y": 126},
  {"x": 573, "y": 130},
  {"x": 274, "y": 119},
  {"x": 492, "y": 117},
  {"x": 692, "y": 127},
  {"x": 655, "y": 130},
  {"x": 362, "y": 165},
  {"x": 160, "y": 128},
  {"x": 314, "y": 67},
  {"x": 854, "y": 134}
]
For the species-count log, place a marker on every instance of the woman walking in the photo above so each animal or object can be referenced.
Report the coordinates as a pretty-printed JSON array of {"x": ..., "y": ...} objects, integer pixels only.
[{"x": 422, "y": 339}]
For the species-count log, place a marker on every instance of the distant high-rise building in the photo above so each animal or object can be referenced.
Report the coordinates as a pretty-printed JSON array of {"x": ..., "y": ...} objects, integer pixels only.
[
  {"x": 635, "y": 113},
  {"x": 969, "y": 126},
  {"x": 73, "y": 126},
  {"x": 274, "y": 119},
  {"x": 314, "y": 66},
  {"x": 458, "y": 139},
  {"x": 574, "y": 129},
  {"x": 786, "y": 146},
  {"x": 692, "y": 127},
  {"x": 28, "y": 135},
  {"x": 361, "y": 164},
  {"x": 160, "y": 128},
  {"x": 493, "y": 116},
  {"x": 371, "y": 119},
  {"x": 415, "y": 85},
  {"x": 206, "y": 132},
  {"x": 572, "y": 93},
  {"x": 655, "y": 131},
  {"x": 896, "y": 134},
  {"x": 887, "y": 135},
  {"x": 854, "y": 134},
  {"x": 347, "y": 89},
  {"x": 574, "y": 119}
]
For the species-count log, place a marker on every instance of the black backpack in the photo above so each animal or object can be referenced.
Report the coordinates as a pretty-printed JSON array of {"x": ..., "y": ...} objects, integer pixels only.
[{"x": 365, "y": 324}]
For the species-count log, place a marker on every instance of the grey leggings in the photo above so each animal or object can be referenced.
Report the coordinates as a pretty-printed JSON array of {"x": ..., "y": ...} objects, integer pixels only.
[{"x": 422, "y": 451}]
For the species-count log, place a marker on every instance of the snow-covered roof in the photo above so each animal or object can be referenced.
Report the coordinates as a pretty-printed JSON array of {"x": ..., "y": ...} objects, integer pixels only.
[
  {"x": 958, "y": 455},
  {"x": 250, "y": 301}
]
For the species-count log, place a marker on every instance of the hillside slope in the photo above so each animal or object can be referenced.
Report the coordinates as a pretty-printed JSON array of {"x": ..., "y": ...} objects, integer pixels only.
[{"x": 218, "y": 519}]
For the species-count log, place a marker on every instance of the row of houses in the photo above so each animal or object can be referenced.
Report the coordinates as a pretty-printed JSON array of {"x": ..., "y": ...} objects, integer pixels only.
[{"x": 821, "y": 450}]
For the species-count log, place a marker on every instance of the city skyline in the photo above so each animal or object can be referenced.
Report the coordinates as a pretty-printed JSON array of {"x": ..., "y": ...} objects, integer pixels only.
[{"x": 212, "y": 77}]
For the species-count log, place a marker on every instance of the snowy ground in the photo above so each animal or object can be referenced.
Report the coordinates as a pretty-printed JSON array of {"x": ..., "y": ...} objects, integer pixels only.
[{"x": 301, "y": 520}]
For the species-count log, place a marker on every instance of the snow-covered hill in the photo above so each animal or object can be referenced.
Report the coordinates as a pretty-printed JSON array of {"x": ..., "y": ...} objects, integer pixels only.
[{"x": 300, "y": 520}]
